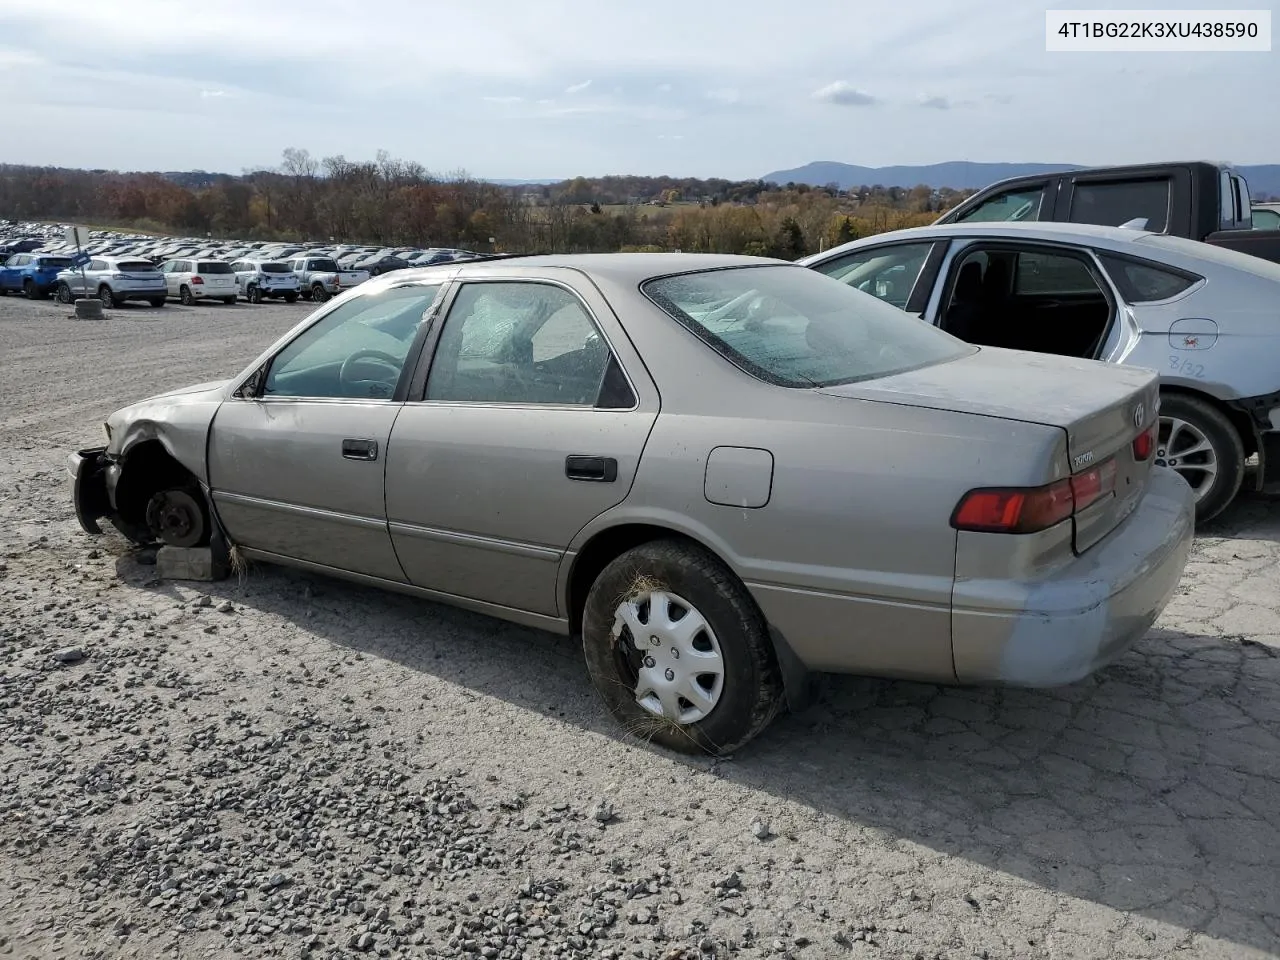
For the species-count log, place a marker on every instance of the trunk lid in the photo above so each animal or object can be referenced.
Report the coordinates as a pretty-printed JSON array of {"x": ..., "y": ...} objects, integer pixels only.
[{"x": 1100, "y": 407}]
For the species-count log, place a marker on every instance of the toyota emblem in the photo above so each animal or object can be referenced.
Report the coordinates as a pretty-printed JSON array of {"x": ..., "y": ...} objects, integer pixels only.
[{"x": 1139, "y": 416}]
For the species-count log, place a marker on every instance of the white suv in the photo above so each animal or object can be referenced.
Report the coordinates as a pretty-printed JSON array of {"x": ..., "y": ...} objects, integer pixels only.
[
  {"x": 192, "y": 280},
  {"x": 258, "y": 280}
]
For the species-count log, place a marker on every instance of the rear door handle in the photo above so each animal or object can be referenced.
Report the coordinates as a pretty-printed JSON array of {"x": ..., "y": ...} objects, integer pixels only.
[
  {"x": 360, "y": 449},
  {"x": 596, "y": 469}
]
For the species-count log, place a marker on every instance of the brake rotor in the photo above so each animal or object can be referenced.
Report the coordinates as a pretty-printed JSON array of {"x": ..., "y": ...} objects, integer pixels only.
[{"x": 176, "y": 517}]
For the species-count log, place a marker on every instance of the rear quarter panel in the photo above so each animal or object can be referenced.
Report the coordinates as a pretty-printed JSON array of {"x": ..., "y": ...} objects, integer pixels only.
[
  {"x": 852, "y": 559},
  {"x": 1221, "y": 340}
]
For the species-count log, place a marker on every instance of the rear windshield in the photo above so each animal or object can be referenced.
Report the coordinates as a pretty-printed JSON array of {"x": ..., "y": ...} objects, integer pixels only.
[
  {"x": 323, "y": 265},
  {"x": 213, "y": 266},
  {"x": 274, "y": 268},
  {"x": 799, "y": 328},
  {"x": 134, "y": 266},
  {"x": 54, "y": 262}
]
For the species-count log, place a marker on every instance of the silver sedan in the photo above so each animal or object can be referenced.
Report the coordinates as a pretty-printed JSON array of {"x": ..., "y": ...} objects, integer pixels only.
[
  {"x": 1205, "y": 317},
  {"x": 721, "y": 472}
]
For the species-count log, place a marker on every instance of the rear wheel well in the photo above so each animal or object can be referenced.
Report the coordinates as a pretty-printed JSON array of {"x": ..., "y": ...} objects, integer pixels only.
[
  {"x": 601, "y": 550},
  {"x": 148, "y": 468},
  {"x": 1239, "y": 419}
]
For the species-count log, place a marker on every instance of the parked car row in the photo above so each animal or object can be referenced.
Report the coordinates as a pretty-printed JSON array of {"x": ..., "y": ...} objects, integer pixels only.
[
  {"x": 117, "y": 280},
  {"x": 50, "y": 239}
]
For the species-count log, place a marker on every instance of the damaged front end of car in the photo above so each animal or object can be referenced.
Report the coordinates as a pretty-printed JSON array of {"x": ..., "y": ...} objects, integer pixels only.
[{"x": 88, "y": 469}]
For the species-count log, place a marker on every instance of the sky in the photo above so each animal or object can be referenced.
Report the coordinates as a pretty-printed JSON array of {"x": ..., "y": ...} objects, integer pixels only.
[{"x": 562, "y": 88}]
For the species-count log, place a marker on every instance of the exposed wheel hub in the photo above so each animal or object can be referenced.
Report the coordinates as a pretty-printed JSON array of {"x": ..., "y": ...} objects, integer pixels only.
[
  {"x": 681, "y": 668},
  {"x": 176, "y": 518}
]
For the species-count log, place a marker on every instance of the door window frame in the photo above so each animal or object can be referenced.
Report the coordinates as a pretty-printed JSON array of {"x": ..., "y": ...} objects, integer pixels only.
[
  {"x": 1048, "y": 200},
  {"x": 251, "y": 387},
  {"x": 922, "y": 286},
  {"x": 417, "y": 387},
  {"x": 962, "y": 251}
]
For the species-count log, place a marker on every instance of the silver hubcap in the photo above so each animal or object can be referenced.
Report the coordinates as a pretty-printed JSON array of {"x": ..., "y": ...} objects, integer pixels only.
[
  {"x": 1184, "y": 447},
  {"x": 681, "y": 675}
]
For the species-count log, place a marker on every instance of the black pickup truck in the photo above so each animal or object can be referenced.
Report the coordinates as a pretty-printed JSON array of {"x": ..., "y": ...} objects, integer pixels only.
[{"x": 1200, "y": 200}]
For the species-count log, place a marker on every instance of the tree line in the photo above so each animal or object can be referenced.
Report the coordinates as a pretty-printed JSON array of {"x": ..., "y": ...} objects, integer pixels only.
[{"x": 393, "y": 202}]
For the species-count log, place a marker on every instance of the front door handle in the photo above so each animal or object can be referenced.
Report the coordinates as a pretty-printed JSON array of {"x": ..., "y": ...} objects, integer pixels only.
[
  {"x": 597, "y": 469},
  {"x": 360, "y": 449}
]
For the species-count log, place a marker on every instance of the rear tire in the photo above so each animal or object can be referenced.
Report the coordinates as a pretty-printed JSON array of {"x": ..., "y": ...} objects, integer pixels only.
[
  {"x": 157, "y": 301},
  {"x": 735, "y": 687},
  {"x": 1198, "y": 441},
  {"x": 108, "y": 298},
  {"x": 185, "y": 295},
  {"x": 230, "y": 301},
  {"x": 31, "y": 291},
  {"x": 318, "y": 293},
  {"x": 253, "y": 294},
  {"x": 290, "y": 298},
  {"x": 63, "y": 294}
]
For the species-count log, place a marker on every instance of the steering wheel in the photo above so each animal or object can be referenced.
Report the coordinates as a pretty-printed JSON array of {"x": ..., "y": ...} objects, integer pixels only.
[{"x": 378, "y": 358}]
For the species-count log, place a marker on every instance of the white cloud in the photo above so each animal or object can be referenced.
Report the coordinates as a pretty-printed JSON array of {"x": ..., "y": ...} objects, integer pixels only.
[
  {"x": 578, "y": 87},
  {"x": 503, "y": 99},
  {"x": 844, "y": 94},
  {"x": 212, "y": 94}
]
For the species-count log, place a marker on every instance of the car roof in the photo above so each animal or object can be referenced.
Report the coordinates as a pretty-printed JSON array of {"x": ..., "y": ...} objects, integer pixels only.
[
  {"x": 617, "y": 267},
  {"x": 1145, "y": 244}
]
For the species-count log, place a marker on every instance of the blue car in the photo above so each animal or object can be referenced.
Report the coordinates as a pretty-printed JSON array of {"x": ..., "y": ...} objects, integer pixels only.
[{"x": 33, "y": 274}]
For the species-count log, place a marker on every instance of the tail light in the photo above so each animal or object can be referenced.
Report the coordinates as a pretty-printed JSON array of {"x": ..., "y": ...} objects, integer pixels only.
[
  {"x": 197, "y": 279},
  {"x": 1032, "y": 509},
  {"x": 1144, "y": 444}
]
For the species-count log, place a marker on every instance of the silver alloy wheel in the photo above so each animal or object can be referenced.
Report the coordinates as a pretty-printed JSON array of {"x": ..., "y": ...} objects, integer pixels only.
[
  {"x": 681, "y": 672},
  {"x": 1183, "y": 447}
]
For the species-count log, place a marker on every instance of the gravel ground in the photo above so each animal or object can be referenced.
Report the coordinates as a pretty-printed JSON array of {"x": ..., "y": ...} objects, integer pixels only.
[{"x": 281, "y": 765}]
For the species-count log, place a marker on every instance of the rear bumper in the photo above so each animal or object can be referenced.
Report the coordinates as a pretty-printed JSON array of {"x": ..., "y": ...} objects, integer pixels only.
[
  {"x": 88, "y": 469},
  {"x": 1083, "y": 616}
]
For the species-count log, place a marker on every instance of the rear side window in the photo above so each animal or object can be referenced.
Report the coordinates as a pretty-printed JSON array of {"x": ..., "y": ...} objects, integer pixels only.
[
  {"x": 1044, "y": 274},
  {"x": 1141, "y": 282},
  {"x": 324, "y": 266},
  {"x": 54, "y": 263},
  {"x": 274, "y": 268},
  {"x": 1112, "y": 204},
  {"x": 213, "y": 267}
]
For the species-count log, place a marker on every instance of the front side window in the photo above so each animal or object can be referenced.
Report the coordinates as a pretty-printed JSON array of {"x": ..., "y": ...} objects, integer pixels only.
[
  {"x": 1022, "y": 203},
  {"x": 887, "y": 273},
  {"x": 356, "y": 351},
  {"x": 519, "y": 342},
  {"x": 1116, "y": 203},
  {"x": 794, "y": 327}
]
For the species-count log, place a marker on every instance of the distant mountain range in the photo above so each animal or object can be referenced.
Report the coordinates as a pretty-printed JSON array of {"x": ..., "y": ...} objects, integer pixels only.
[{"x": 1264, "y": 179}]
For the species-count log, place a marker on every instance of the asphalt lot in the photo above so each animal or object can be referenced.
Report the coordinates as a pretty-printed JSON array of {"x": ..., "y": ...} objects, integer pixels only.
[{"x": 297, "y": 766}]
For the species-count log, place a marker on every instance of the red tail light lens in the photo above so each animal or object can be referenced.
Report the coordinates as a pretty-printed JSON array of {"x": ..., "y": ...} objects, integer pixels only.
[
  {"x": 1014, "y": 510},
  {"x": 1144, "y": 444},
  {"x": 197, "y": 279},
  {"x": 1032, "y": 509}
]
